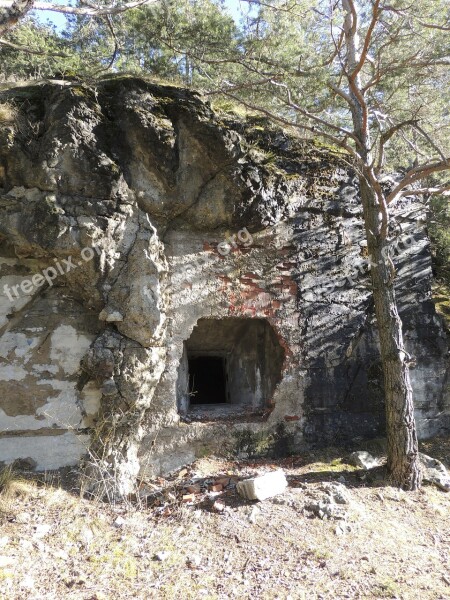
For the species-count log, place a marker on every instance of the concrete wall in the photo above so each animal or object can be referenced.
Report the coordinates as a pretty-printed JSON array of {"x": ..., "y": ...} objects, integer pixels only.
[
  {"x": 309, "y": 277},
  {"x": 44, "y": 419},
  {"x": 294, "y": 277},
  {"x": 172, "y": 214}
]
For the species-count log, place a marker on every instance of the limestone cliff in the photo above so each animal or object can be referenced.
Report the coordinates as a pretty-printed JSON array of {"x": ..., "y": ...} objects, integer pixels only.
[{"x": 141, "y": 232}]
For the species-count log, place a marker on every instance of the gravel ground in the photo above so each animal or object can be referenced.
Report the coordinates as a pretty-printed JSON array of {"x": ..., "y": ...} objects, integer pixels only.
[{"x": 335, "y": 532}]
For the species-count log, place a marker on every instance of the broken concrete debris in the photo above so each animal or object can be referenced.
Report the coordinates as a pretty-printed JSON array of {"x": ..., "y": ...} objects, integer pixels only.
[
  {"x": 162, "y": 555},
  {"x": 364, "y": 460},
  {"x": 330, "y": 501},
  {"x": 218, "y": 506},
  {"x": 119, "y": 522},
  {"x": 262, "y": 487},
  {"x": 435, "y": 472},
  {"x": 254, "y": 514}
]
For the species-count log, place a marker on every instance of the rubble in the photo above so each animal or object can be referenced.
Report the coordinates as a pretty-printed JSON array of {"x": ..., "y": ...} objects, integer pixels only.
[
  {"x": 162, "y": 555},
  {"x": 265, "y": 486},
  {"x": 330, "y": 501},
  {"x": 434, "y": 471},
  {"x": 364, "y": 460},
  {"x": 119, "y": 522}
]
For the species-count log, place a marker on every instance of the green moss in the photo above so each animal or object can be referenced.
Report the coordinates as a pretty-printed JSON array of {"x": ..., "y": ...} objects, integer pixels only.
[
  {"x": 132, "y": 76},
  {"x": 252, "y": 443},
  {"x": 79, "y": 91},
  {"x": 203, "y": 452},
  {"x": 7, "y": 113},
  {"x": 387, "y": 588},
  {"x": 226, "y": 106},
  {"x": 329, "y": 147},
  {"x": 273, "y": 443},
  {"x": 336, "y": 465}
]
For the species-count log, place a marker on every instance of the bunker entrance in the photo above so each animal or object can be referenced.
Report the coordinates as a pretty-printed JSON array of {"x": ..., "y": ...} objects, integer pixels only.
[
  {"x": 229, "y": 365},
  {"x": 207, "y": 380}
]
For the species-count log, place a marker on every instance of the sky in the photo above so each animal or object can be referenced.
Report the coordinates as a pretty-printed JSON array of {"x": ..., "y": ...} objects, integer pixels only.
[
  {"x": 235, "y": 8},
  {"x": 57, "y": 19}
]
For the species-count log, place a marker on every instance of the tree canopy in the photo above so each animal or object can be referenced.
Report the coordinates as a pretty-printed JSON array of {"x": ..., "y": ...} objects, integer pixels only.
[{"x": 285, "y": 56}]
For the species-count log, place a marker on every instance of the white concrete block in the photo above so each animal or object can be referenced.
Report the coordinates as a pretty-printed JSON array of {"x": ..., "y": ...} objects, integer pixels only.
[
  {"x": 265, "y": 486},
  {"x": 49, "y": 452}
]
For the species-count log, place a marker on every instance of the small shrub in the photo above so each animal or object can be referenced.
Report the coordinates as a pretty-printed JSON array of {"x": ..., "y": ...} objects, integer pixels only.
[{"x": 7, "y": 113}]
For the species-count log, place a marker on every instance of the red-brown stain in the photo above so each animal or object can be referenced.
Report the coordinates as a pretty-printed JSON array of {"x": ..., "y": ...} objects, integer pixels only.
[
  {"x": 225, "y": 279},
  {"x": 210, "y": 247},
  {"x": 250, "y": 296}
]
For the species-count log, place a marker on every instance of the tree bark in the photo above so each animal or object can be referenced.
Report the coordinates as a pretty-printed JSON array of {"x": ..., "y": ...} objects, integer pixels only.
[
  {"x": 10, "y": 16},
  {"x": 403, "y": 461},
  {"x": 403, "y": 454}
]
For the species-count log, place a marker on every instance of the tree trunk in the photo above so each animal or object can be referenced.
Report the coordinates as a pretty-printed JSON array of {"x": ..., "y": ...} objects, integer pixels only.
[
  {"x": 403, "y": 459},
  {"x": 403, "y": 462},
  {"x": 11, "y": 15}
]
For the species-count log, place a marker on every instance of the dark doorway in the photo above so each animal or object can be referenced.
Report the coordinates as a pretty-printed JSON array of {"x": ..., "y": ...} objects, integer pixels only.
[
  {"x": 229, "y": 366},
  {"x": 207, "y": 380}
]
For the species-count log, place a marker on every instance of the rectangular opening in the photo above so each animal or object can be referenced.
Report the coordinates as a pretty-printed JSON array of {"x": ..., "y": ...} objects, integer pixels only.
[
  {"x": 207, "y": 380},
  {"x": 228, "y": 367}
]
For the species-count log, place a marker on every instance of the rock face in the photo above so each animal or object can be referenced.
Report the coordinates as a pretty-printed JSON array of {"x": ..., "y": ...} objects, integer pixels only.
[
  {"x": 364, "y": 460},
  {"x": 435, "y": 472},
  {"x": 175, "y": 282}
]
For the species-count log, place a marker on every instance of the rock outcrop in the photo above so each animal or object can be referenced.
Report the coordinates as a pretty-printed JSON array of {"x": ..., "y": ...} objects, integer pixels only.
[{"x": 140, "y": 232}]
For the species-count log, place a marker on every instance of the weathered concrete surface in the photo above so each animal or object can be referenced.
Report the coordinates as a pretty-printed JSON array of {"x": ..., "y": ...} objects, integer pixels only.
[
  {"x": 130, "y": 213},
  {"x": 263, "y": 487}
]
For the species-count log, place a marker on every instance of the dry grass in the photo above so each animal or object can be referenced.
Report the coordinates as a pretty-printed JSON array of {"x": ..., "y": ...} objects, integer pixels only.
[
  {"x": 13, "y": 489},
  {"x": 67, "y": 547}
]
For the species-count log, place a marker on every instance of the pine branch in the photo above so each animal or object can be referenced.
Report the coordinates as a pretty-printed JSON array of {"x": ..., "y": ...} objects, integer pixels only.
[{"x": 28, "y": 50}]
